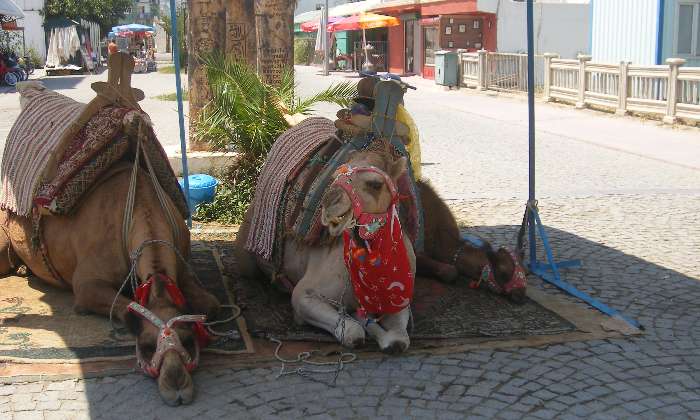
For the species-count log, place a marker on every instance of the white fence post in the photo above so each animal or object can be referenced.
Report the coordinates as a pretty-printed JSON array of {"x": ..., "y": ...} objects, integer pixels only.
[
  {"x": 460, "y": 68},
  {"x": 622, "y": 91},
  {"x": 483, "y": 61},
  {"x": 582, "y": 59},
  {"x": 672, "y": 94},
  {"x": 548, "y": 75}
]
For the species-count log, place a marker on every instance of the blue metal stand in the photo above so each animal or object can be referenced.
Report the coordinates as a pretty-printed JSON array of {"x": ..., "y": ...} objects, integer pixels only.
[
  {"x": 548, "y": 271},
  {"x": 180, "y": 111}
]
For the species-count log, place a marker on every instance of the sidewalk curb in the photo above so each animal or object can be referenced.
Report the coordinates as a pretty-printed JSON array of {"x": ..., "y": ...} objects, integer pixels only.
[{"x": 202, "y": 162}]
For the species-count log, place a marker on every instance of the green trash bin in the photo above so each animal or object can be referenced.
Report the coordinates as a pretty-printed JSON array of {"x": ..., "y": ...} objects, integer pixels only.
[{"x": 446, "y": 68}]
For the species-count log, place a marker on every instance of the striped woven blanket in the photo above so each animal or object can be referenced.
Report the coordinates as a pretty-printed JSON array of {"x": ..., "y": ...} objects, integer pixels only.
[
  {"x": 288, "y": 155},
  {"x": 30, "y": 145}
]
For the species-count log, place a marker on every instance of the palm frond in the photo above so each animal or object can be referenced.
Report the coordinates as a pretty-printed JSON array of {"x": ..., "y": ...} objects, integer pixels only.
[{"x": 340, "y": 94}]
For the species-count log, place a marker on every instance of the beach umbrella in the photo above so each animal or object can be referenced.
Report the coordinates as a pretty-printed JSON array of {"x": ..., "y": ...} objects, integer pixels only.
[
  {"x": 313, "y": 25},
  {"x": 363, "y": 21},
  {"x": 132, "y": 27}
]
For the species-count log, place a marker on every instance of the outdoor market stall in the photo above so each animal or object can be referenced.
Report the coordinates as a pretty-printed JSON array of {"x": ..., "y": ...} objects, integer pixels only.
[
  {"x": 73, "y": 47},
  {"x": 137, "y": 40}
]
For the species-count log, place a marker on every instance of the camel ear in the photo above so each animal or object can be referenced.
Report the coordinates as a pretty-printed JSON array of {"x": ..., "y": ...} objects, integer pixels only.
[
  {"x": 133, "y": 323},
  {"x": 398, "y": 168}
]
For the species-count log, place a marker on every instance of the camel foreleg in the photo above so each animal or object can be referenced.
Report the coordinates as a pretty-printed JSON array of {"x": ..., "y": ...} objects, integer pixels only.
[
  {"x": 312, "y": 308},
  {"x": 94, "y": 294},
  {"x": 389, "y": 332}
]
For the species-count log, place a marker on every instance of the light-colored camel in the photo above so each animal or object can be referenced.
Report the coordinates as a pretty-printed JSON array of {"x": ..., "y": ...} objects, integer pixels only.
[
  {"x": 319, "y": 273},
  {"x": 86, "y": 249}
]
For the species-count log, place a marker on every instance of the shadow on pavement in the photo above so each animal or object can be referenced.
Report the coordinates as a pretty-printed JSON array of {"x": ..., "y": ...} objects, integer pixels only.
[{"x": 663, "y": 300}]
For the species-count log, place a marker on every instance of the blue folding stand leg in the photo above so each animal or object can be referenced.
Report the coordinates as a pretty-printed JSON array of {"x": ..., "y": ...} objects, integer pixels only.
[{"x": 549, "y": 271}]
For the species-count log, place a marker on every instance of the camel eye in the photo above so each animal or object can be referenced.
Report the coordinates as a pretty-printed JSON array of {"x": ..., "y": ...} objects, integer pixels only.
[{"x": 375, "y": 185}]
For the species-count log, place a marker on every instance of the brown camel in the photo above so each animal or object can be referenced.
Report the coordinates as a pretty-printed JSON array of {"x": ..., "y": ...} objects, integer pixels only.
[
  {"x": 447, "y": 256},
  {"x": 86, "y": 249}
]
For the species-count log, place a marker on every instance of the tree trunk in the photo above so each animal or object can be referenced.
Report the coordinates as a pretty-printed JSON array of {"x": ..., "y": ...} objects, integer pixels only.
[
  {"x": 240, "y": 31},
  {"x": 274, "y": 27},
  {"x": 206, "y": 32}
]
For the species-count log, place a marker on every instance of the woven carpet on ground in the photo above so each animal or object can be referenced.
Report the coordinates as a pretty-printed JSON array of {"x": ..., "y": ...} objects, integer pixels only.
[
  {"x": 37, "y": 322},
  {"x": 440, "y": 311}
]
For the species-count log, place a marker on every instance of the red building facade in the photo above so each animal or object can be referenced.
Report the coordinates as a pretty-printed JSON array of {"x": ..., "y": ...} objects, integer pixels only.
[{"x": 427, "y": 27}]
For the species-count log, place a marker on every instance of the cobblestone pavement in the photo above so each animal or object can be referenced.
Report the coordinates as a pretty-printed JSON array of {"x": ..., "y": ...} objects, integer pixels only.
[{"x": 631, "y": 218}]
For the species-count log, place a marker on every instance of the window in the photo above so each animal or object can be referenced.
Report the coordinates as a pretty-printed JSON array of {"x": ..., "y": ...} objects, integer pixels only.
[
  {"x": 430, "y": 44},
  {"x": 687, "y": 29}
]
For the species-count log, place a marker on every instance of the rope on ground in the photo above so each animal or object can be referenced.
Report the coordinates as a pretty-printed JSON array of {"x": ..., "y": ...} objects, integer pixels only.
[{"x": 309, "y": 367}]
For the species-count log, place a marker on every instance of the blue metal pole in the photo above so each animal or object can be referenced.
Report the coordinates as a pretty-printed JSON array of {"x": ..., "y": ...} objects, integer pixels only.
[
  {"x": 531, "y": 127},
  {"x": 180, "y": 112}
]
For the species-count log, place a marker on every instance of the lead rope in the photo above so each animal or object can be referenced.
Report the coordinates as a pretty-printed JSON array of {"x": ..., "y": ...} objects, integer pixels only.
[
  {"x": 131, "y": 194},
  {"x": 308, "y": 367}
]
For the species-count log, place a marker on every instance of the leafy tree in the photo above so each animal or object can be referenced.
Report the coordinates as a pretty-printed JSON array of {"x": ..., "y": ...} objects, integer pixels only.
[
  {"x": 181, "y": 31},
  {"x": 105, "y": 12}
]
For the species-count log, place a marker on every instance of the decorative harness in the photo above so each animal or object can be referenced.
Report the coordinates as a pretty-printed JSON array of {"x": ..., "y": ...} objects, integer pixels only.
[
  {"x": 168, "y": 339},
  {"x": 379, "y": 268},
  {"x": 517, "y": 281}
]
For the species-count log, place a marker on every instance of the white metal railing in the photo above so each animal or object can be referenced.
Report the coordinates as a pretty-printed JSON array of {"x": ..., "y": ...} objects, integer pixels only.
[
  {"x": 669, "y": 90},
  {"x": 506, "y": 71},
  {"x": 470, "y": 69}
]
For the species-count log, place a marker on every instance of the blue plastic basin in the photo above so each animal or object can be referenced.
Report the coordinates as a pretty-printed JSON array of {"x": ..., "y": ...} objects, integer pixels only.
[{"x": 202, "y": 188}]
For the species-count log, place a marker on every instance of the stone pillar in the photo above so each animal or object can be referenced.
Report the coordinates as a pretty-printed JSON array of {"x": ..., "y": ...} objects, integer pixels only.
[
  {"x": 672, "y": 95},
  {"x": 548, "y": 75},
  {"x": 623, "y": 89},
  {"x": 240, "y": 31},
  {"x": 206, "y": 32},
  {"x": 274, "y": 28},
  {"x": 582, "y": 60}
]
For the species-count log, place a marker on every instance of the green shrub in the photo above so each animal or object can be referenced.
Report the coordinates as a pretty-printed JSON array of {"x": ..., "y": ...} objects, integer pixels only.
[
  {"x": 304, "y": 51},
  {"x": 34, "y": 57}
]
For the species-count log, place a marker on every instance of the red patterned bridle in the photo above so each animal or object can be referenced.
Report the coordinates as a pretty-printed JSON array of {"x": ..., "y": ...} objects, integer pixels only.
[
  {"x": 369, "y": 223},
  {"x": 168, "y": 339},
  {"x": 517, "y": 281}
]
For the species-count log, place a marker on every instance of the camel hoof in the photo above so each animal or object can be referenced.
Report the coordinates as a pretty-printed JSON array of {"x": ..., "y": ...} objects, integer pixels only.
[
  {"x": 396, "y": 347},
  {"x": 350, "y": 333}
]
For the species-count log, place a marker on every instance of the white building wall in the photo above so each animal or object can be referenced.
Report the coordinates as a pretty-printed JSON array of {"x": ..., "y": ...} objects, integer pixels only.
[
  {"x": 33, "y": 24},
  {"x": 563, "y": 29},
  {"x": 625, "y": 30}
]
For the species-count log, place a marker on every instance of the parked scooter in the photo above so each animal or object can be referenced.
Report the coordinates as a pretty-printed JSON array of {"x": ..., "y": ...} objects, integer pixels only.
[{"x": 10, "y": 71}]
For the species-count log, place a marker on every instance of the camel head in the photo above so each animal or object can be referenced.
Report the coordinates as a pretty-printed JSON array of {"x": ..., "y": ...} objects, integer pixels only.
[
  {"x": 168, "y": 341},
  {"x": 371, "y": 187},
  {"x": 504, "y": 266}
]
